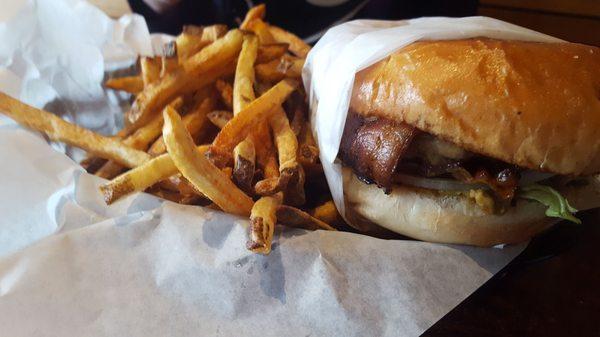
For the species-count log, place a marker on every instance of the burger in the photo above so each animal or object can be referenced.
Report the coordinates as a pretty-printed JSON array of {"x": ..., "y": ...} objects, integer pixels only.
[{"x": 476, "y": 141}]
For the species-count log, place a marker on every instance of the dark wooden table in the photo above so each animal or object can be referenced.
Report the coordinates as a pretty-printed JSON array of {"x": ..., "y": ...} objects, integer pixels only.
[{"x": 551, "y": 289}]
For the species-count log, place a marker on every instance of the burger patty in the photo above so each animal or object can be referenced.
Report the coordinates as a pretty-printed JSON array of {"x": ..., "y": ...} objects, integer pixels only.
[{"x": 379, "y": 148}]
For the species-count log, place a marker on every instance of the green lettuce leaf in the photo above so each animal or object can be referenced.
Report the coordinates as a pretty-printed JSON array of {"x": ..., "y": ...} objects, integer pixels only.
[{"x": 558, "y": 206}]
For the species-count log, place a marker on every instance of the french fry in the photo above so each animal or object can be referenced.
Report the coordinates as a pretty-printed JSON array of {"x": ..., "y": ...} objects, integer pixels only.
[
  {"x": 261, "y": 29},
  {"x": 140, "y": 178},
  {"x": 194, "y": 121},
  {"x": 219, "y": 117},
  {"x": 130, "y": 84},
  {"x": 291, "y": 173},
  {"x": 327, "y": 212},
  {"x": 293, "y": 217},
  {"x": 261, "y": 108},
  {"x": 166, "y": 88},
  {"x": 196, "y": 72},
  {"x": 243, "y": 165},
  {"x": 214, "y": 32},
  {"x": 60, "y": 130},
  {"x": 266, "y": 155},
  {"x": 201, "y": 173},
  {"x": 269, "y": 186},
  {"x": 91, "y": 164},
  {"x": 285, "y": 139},
  {"x": 308, "y": 152},
  {"x": 262, "y": 87},
  {"x": 278, "y": 69},
  {"x": 193, "y": 38},
  {"x": 139, "y": 140},
  {"x": 255, "y": 72},
  {"x": 292, "y": 180},
  {"x": 262, "y": 224},
  {"x": 243, "y": 84},
  {"x": 150, "y": 67},
  {"x": 270, "y": 52},
  {"x": 189, "y": 42},
  {"x": 256, "y": 12},
  {"x": 169, "y": 60},
  {"x": 177, "y": 197},
  {"x": 228, "y": 171},
  {"x": 297, "y": 46},
  {"x": 226, "y": 92},
  {"x": 298, "y": 108}
]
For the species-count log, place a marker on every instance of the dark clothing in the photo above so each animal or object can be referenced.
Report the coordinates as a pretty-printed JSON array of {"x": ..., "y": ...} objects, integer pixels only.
[{"x": 299, "y": 16}]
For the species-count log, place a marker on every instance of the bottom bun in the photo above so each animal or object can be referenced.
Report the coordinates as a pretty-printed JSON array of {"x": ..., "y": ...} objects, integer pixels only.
[{"x": 436, "y": 217}]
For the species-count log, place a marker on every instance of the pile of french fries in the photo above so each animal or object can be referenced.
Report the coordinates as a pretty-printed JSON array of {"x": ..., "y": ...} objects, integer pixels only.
[{"x": 219, "y": 120}]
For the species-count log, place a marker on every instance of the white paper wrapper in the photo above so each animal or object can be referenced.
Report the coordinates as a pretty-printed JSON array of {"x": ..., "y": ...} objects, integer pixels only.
[
  {"x": 350, "y": 47},
  {"x": 72, "y": 266}
]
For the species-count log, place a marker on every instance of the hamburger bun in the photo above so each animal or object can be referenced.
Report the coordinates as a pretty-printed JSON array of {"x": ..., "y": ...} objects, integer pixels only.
[
  {"x": 437, "y": 217},
  {"x": 536, "y": 105}
]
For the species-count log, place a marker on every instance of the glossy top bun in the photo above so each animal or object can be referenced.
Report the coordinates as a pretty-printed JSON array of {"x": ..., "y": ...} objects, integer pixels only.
[{"x": 536, "y": 105}]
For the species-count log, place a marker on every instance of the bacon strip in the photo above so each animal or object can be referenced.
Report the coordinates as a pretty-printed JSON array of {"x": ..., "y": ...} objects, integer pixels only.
[{"x": 373, "y": 147}]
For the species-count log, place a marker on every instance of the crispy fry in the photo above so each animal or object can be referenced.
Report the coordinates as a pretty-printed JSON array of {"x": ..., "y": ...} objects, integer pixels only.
[
  {"x": 140, "y": 178},
  {"x": 130, "y": 84},
  {"x": 270, "y": 52},
  {"x": 200, "y": 171},
  {"x": 192, "y": 30},
  {"x": 261, "y": 29},
  {"x": 243, "y": 84},
  {"x": 91, "y": 164},
  {"x": 194, "y": 121},
  {"x": 193, "y": 38},
  {"x": 226, "y": 92},
  {"x": 266, "y": 156},
  {"x": 166, "y": 87},
  {"x": 291, "y": 173},
  {"x": 196, "y": 72},
  {"x": 139, "y": 140},
  {"x": 296, "y": 105},
  {"x": 262, "y": 224},
  {"x": 60, "y": 130},
  {"x": 327, "y": 212},
  {"x": 269, "y": 186},
  {"x": 262, "y": 87},
  {"x": 293, "y": 217},
  {"x": 297, "y": 46},
  {"x": 293, "y": 179},
  {"x": 228, "y": 171},
  {"x": 189, "y": 42},
  {"x": 285, "y": 139},
  {"x": 239, "y": 127},
  {"x": 177, "y": 197},
  {"x": 219, "y": 117},
  {"x": 280, "y": 68},
  {"x": 150, "y": 67},
  {"x": 214, "y": 32},
  {"x": 243, "y": 167},
  {"x": 308, "y": 152},
  {"x": 169, "y": 60},
  {"x": 256, "y": 12}
]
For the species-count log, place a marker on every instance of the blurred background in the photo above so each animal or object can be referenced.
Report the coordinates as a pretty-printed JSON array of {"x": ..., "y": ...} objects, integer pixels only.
[{"x": 572, "y": 20}]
